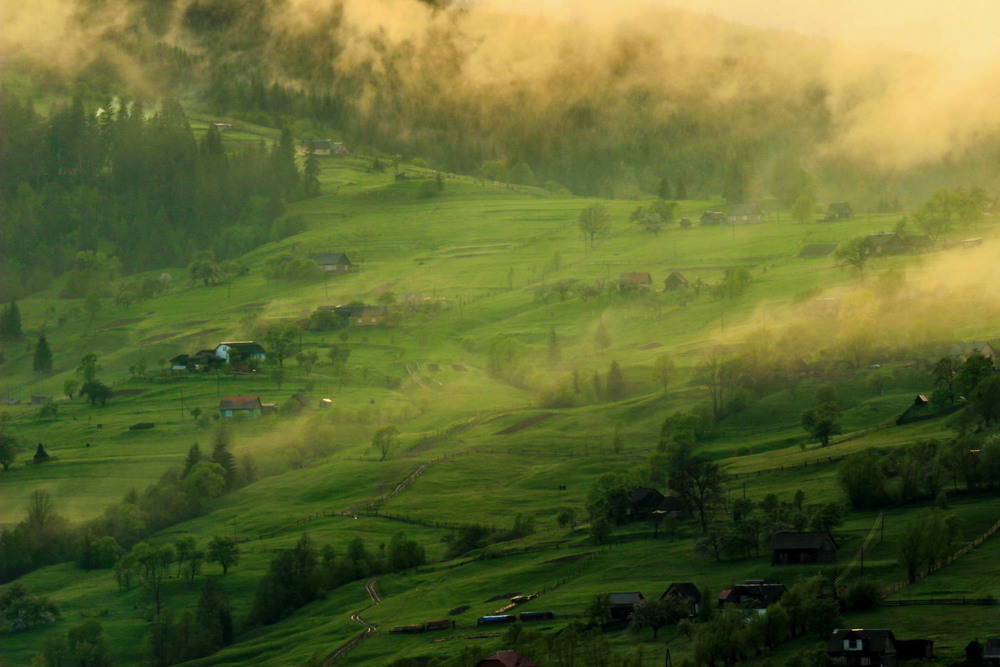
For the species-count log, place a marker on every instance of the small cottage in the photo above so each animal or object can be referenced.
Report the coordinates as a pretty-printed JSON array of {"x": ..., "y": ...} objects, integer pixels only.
[
  {"x": 687, "y": 592},
  {"x": 713, "y": 218},
  {"x": 745, "y": 214},
  {"x": 235, "y": 406},
  {"x": 840, "y": 210},
  {"x": 860, "y": 647},
  {"x": 370, "y": 316},
  {"x": 675, "y": 281},
  {"x": 757, "y": 593},
  {"x": 623, "y": 604},
  {"x": 802, "y": 548},
  {"x": 975, "y": 652},
  {"x": 243, "y": 350},
  {"x": 332, "y": 262}
]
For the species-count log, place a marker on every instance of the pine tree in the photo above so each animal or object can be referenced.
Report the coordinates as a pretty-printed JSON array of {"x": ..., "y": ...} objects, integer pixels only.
[
  {"x": 664, "y": 190},
  {"x": 310, "y": 174},
  {"x": 614, "y": 385},
  {"x": 222, "y": 455},
  {"x": 10, "y": 323},
  {"x": 43, "y": 356}
]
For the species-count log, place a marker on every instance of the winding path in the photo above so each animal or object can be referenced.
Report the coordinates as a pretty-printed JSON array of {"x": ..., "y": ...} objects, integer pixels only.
[{"x": 356, "y": 617}]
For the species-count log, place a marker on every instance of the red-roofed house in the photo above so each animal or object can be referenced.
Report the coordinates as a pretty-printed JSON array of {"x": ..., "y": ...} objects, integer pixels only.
[
  {"x": 641, "y": 279},
  {"x": 232, "y": 406}
]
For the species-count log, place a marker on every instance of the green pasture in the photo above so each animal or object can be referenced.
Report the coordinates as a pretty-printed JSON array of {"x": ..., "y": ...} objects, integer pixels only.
[{"x": 481, "y": 250}]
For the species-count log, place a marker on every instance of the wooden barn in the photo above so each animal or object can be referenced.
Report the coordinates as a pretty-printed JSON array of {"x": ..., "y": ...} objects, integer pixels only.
[{"x": 802, "y": 548}]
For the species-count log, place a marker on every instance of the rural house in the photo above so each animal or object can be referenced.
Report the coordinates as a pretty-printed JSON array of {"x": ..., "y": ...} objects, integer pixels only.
[
  {"x": 670, "y": 506},
  {"x": 235, "y": 406},
  {"x": 370, "y": 316},
  {"x": 242, "y": 350},
  {"x": 675, "y": 281},
  {"x": 623, "y": 604},
  {"x": 840, "y": 210},
  {"x": 975, "y": 652},
  {"x": 712, "y": 218},
  {"x": 180, "y": 362},
  {"x": 640, "y": 279},
  {"x": 332, "y": 262},
  {"x": 506, "y": 659},
  {"x": 687, "y": 592},
  {"x": 802, "y": 548},
  {"x": 756, "y": 592},
  {"x": 745, "y": 213},
  {"x": 859, "y": 647},
  {"x": 642, "y": 502}
]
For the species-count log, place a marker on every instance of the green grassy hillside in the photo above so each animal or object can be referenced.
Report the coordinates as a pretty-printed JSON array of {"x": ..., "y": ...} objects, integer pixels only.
[{"x": 467, "y": 267}]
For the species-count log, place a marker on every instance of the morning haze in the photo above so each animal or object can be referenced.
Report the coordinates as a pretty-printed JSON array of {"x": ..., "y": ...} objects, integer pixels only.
[{"x": 490, "y": 333}]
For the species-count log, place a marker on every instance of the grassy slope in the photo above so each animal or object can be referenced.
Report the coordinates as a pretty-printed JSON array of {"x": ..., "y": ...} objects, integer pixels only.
[{"x": 461, "y": 247}]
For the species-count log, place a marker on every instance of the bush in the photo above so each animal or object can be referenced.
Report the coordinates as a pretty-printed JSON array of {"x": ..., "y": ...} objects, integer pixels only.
[
  {"x": 863, "y": 594},
  {"x": 429, "y": 189}
]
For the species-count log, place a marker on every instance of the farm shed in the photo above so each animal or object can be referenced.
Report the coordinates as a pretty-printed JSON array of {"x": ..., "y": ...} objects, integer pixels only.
[
  {"x": 675, "y": 281},
  {"x": 859, "y": 647},
  {"x": 643, "y": 501},
  {"x": 713, "y": 218},
  {"x": 370, "y": 316},
  {"x": 802, "y": 548},
  {"x": 623, "y": 604}
]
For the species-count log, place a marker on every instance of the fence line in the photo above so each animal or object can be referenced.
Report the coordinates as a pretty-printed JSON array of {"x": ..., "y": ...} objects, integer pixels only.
[{"x": 942, "y": 563}]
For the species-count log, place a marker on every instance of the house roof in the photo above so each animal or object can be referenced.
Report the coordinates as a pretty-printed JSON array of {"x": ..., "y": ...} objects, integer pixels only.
[
  {"x": 642, "y": 494},
  {"x": 509, "y": 659},
  {"x": 329, "y": 258},
  {"x": 642, "y": 278},
  {"x": 180, "y": 359},
  {"x": 684, "y": 589},
  {"x": 768, "y": 592},
  {"x": 877, "y": 639},
  {"x": 800, "y": 541},
  {"x": 840, "y": 207},
  {"x": 370, "y": 311},
  {"x": 817, "y": 249},
  {"x": 881, "y": 239},
  {"x": 625, "y": 598},
  {"x": 713, "y": 215},
  {"x": 243, "y": 346},
  {"x": 670, "y": 504},
  {"x": 744, "y": 209},
  {"x": 240, "y": 403},
  {"x": 992, "y": 648}
]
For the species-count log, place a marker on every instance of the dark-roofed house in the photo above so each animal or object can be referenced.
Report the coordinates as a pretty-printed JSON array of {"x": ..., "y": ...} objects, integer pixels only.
[
  {"x": 757, "y": 593},
  {"x": 712, "y": 218},
  {"x": 745, "y": 213},
  {"x": 506, "y": 659},
  {"x": 991, "y": 652},
  {"x": 239, "y": 350},
  {"x": 802, "y": 548},
  {"x": 622, "y": 605},
  {"x": 643, "y": 501},
  {"x": 859, "y": 647},
  {"x": 687, "y": 591},
  {"x": 180, "y": 362},
  {"x": 675, "y": 281},
  {"x": 642, "y": 279},
  {"x": 332, "y": 262},
  {"x": 840, "y": 210},
  {"x": 670, "y": 506},
  {"x": 974, "y": 652},
  {"x": 914, "y": 649},
  {"x": 234, "y": 406}
]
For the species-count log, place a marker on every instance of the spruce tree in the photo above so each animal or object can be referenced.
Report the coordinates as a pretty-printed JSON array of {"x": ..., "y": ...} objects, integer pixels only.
[
  {"x": 10, "y": 323},
  {"x": 43, "y": 356},
  {"x": 310, "y": 174},
  {"x": 222, "y": 455},
  {"x": 681, "y": 189},
  {"x": 664, "y": 189},
  {"x": 614, "y": 385}
]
